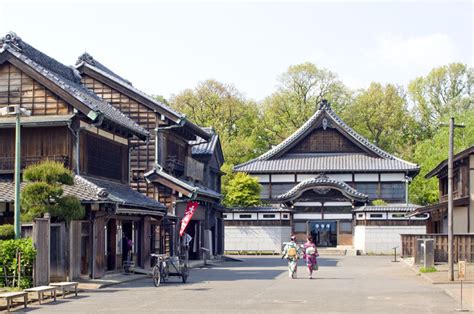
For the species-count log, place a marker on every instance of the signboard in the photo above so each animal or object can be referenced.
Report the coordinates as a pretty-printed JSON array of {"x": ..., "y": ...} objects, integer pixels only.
[
  {"x": 462, "y": 270},
  {"x": 188, "y": 214}
]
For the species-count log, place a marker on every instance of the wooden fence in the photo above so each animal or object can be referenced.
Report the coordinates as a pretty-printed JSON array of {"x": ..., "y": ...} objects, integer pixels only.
[
  {"x": 463, "y": 246},
  {"x": 50, "y": 240}
]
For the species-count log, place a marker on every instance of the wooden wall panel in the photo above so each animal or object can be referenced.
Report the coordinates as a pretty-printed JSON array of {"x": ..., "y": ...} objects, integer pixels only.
[
  {"x": 17, "y": 88},
  {"x": 325, "y": 141},
  {"x": 142, "y": 157}
]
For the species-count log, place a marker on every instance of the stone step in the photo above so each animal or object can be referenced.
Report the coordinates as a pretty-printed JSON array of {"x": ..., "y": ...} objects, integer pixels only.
[{"x": 332, "y": 251}]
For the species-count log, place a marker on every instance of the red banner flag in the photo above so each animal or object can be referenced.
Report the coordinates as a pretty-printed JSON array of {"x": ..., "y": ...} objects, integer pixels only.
[{"x": 188, "y": 214}]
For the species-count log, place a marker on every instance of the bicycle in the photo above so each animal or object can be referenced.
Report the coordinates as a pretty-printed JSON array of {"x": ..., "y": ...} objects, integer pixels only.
[{"x": 160, "y": 272}]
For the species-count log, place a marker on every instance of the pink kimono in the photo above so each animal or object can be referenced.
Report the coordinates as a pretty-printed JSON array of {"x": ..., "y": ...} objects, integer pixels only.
[{"x": 310, "y": 259}]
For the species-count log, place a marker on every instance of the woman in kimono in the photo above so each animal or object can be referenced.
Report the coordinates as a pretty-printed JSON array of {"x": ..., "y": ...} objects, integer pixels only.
[
  {"x": 291, "y": 252},
  {"x": 310, "y": 254}
]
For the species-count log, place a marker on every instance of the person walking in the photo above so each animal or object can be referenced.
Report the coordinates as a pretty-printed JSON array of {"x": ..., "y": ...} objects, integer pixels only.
[
  {"x": 310, "y": 254},
  {"x": 291, "y": 252}
]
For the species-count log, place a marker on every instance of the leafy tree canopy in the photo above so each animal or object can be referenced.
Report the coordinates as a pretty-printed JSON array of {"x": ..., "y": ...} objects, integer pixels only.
[
  {"x": 445, "y": 91},
  {"x": 301, "y": 88},
  {"x": 380, "y": 114}
]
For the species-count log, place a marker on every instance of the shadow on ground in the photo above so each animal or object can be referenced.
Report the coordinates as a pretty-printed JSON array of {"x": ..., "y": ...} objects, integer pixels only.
[{"x": 251, "y": 268}]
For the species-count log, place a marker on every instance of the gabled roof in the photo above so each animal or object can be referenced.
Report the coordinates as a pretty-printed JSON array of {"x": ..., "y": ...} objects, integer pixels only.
[
  {"x": 326, "y": 118},
  {"x": 66, "y": 80},
  {"x": 442, "y": 165},
  {"x": 322, "y": 182},
  {"x": 88, "y": 65},
  {"x": 203, "y": 147},
  {"x": 93, "y": 190}
]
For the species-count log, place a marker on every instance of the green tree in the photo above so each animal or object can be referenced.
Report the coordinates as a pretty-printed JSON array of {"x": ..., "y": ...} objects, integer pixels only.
[
  {"x": 431, "y": 151},
  {"x": 380, "y": 114},
  {"x": 445, "y": 91},
  {"x": 243, "y": 191},
  {"x": 232, "y": 116},
  {"x": 44, "y": 193},
  {"x": 301, "y": 88}
]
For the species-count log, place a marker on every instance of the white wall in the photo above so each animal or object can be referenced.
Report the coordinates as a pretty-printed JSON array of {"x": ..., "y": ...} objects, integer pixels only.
[
  {"x": 382, "y": 240},
  {"x": 460, "y": 219},
  {"x": 255, "y": 238}
]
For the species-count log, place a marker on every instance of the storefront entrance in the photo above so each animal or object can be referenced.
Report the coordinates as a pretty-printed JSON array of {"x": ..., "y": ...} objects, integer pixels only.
[{"x": 324, "y": 232}]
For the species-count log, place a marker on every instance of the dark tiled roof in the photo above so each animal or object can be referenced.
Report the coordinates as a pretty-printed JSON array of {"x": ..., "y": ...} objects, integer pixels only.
[
  {"x": 259, "y": 209},
  {"x": 90, "y": 190},
  {"x": 194, "y": 189},
  {"x": 443, "y": 165},
  {"x": 322, "y": 181},
  {"x": 89, "y": 61},
  {"x": 317, "y": 163},
  {"x": 87, "y": 58},
  {"x": 264, "y": 162},
  {"x": 67, "y": 78},
  {"x": 388, "y": 208},
  {"x": 203, "y": 147}
]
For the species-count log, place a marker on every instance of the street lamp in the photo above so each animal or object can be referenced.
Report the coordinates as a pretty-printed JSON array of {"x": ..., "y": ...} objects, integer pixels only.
[{"x": 17, "y": 111}]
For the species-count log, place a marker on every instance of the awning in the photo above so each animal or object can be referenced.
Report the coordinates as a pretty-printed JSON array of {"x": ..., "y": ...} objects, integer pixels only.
[
  {"x": 36, "y": 121},
  {"x": 138, "y": 211}
]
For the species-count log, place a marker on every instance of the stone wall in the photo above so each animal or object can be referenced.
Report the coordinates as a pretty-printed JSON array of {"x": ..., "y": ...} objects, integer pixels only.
[
  {"x": 256, "y": 238},
  {"x": 382, "y": 239}
]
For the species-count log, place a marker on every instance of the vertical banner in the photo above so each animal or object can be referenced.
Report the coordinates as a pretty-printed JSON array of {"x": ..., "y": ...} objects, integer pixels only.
[{"x": 188, "y": 214}]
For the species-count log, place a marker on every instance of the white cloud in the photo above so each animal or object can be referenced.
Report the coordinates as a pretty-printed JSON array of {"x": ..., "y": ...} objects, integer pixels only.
[{"x": 421, "y": 52}]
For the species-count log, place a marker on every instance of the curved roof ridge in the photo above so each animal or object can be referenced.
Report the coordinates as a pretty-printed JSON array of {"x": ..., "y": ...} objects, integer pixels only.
[{"x": 321, "y": 180}]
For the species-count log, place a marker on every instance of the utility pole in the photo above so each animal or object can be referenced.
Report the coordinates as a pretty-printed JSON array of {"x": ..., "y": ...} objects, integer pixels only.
[
  {"x": 17, "y": 111},
  {"x": 450, "y": 199},
  {"x": 17, "y": 222}
]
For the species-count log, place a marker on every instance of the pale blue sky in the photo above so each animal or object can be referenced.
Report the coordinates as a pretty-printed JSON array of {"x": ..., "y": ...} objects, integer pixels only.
[{"x": 166, "y": 47}]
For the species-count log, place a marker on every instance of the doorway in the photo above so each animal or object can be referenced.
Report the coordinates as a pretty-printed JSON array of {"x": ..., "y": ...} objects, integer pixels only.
[{"x": 324, "y": 232}]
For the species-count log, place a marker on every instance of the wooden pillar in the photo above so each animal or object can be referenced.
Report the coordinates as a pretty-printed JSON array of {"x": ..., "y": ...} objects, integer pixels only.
[{"x": 41, "y": 241}]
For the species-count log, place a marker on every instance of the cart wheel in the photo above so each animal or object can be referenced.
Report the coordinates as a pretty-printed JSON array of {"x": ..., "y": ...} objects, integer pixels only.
[
  {"x": 156, "y": 276},
  {"x": 185, "y": 273}
]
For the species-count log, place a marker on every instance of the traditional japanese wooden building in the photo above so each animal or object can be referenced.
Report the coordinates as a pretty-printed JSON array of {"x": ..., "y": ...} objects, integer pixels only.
[
  {"x": 170, "y": 167},
  {"x": 463, "y": 212},
  {"x": 72, "y": 125},
  {"x": 463, "y": 196},
  {"x": 324, "y": 171}
]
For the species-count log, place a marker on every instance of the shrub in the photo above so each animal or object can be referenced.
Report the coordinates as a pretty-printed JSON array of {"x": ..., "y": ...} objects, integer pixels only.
[
  {"x": 379, "y": 202},
  {"x": 44, "y": 193},
  {"x": 428, "y": 269},
  {"x": 9, "y": 262},
  {"x": 7, "y": 232}
]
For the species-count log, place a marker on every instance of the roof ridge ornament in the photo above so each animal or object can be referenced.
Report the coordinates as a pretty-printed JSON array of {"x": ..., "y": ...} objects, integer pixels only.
[
  {"x": 11, "y": 39},
  {"x": 324, "y": 104},
  {"x": 87, "y": 58}
]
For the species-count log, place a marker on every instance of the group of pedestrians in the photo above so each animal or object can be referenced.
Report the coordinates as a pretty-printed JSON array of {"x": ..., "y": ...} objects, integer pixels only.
[{"x": 292, "y": 252}]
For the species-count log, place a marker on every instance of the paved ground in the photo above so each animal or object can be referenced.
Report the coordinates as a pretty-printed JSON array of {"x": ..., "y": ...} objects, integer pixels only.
[{"x": 344, "y": 284}]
